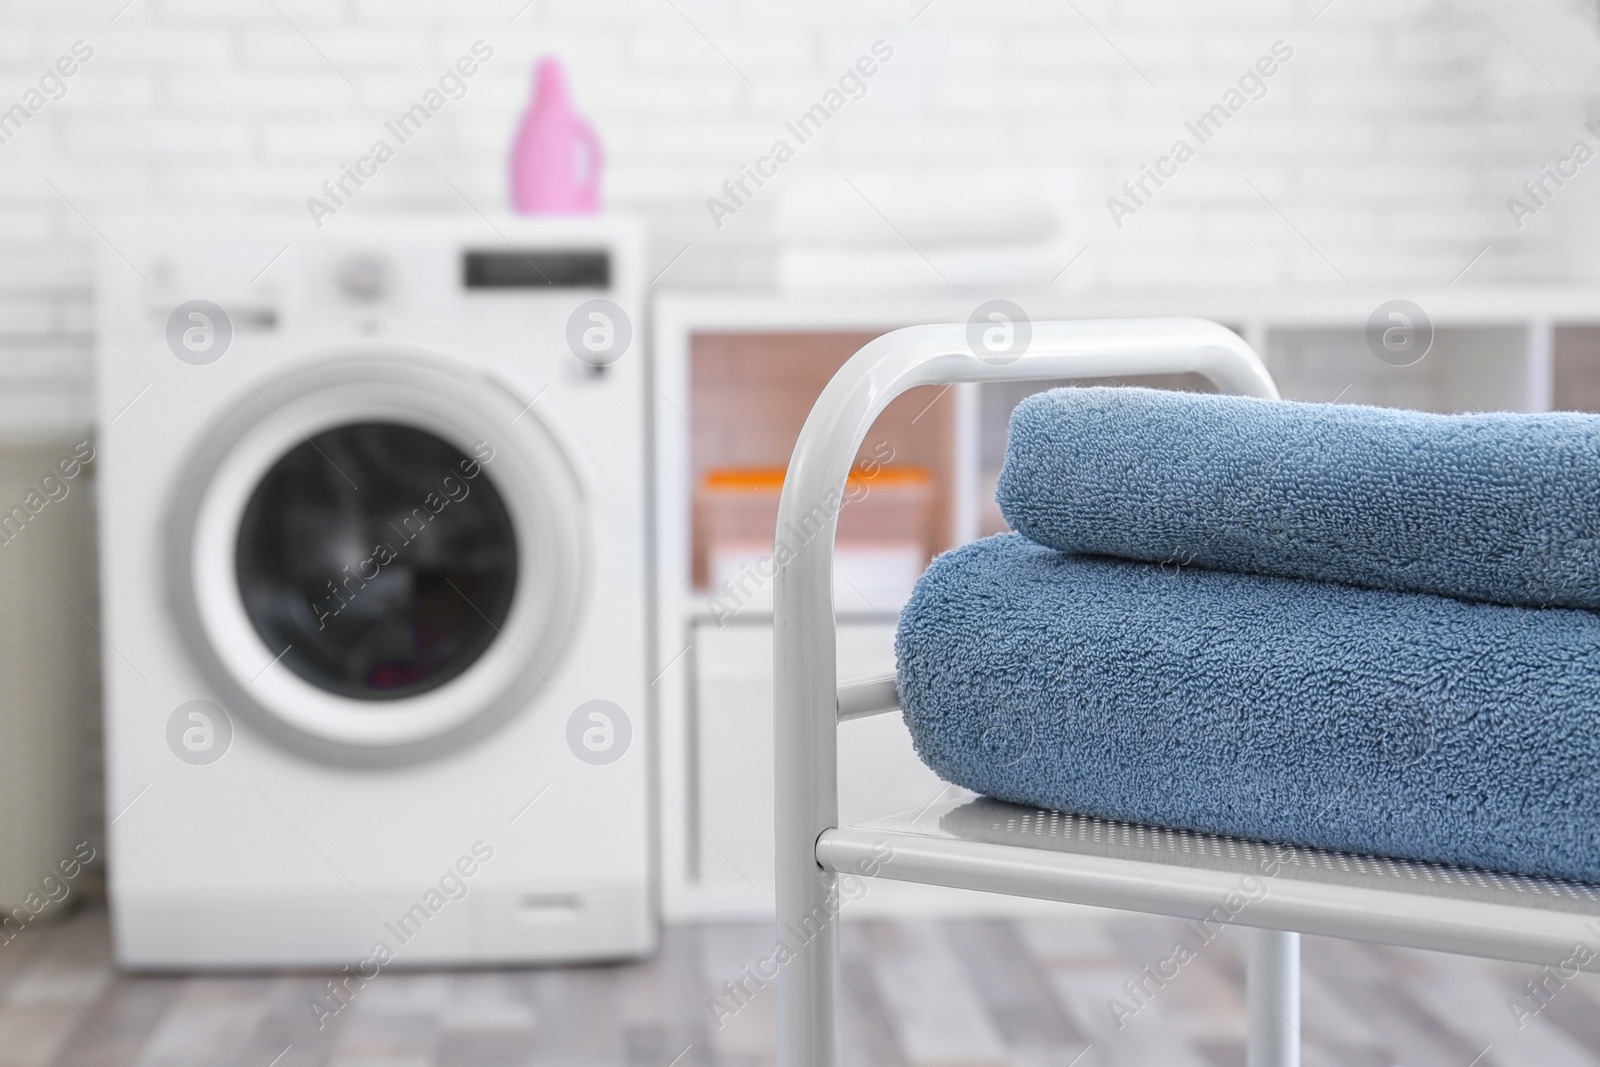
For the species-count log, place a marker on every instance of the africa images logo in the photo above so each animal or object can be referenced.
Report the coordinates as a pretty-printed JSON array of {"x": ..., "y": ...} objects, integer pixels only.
[
  {"x": 452, "y": 885},
  {"x": 1251, "y": 85},
  {"x": 451, "y": 85},
  {"x": 851, "y": 85}
]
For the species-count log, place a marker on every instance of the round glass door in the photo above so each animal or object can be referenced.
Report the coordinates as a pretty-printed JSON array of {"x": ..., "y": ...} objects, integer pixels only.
[
  {"x": 378, "y": 556},
  {"x": 378, "y": 559}
]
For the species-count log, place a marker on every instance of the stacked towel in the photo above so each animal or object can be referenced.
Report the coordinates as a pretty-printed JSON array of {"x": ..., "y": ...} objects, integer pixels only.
[
  {"x": 1322, "y": 714},
  {"x": 1498, "y": 507},
  {"x": 1243, "y": 697}
]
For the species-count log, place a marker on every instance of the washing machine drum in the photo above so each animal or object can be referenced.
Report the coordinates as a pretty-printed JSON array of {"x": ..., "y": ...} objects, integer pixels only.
[
  {"x": 379, "y": 558},
  {"x": 375, "y": 563}
]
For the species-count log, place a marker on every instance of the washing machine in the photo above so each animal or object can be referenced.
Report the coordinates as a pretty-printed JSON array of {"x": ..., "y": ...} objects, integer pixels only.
[{"x": 372, "y": 536}]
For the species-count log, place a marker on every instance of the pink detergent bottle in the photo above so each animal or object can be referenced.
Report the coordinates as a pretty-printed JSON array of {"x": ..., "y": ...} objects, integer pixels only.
[{"x": 556, "y": 160}]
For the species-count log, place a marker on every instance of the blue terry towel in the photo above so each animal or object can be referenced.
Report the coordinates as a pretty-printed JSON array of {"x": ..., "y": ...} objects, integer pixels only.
[
  {"x": 1315, "y": 713},
  {"x": 1499, "y": 507}
]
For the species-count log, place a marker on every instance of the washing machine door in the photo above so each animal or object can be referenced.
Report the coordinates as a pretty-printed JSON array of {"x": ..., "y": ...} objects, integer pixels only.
[{"x": 379, "y": 557}]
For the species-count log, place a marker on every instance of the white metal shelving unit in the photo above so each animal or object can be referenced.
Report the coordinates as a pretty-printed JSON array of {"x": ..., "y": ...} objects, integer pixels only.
[{"x": 1530, "y": 349}]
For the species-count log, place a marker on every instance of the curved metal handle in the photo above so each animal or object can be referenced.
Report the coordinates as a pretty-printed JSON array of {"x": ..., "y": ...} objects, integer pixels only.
[{"x": 805, "y": 684}]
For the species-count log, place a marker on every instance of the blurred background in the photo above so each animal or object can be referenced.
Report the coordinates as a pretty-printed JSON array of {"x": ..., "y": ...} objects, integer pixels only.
[{"x": 751, "y": 191}]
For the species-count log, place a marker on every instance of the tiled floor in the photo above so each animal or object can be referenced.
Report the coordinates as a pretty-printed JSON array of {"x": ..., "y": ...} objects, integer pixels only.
[{"x": 935, "y": 993}]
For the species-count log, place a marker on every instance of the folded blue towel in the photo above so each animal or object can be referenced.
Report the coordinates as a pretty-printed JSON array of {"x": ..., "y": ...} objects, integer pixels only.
[
  {"x": 1499, "y": 507},
  {"x": 1308, "y": 712}
]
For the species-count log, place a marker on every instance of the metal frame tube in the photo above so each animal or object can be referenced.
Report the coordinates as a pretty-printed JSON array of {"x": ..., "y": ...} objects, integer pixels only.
[
  {"x": 1272, "y": 999},
  {"x": 867, "y": 696},
  {"x": 805, "y": 680}
]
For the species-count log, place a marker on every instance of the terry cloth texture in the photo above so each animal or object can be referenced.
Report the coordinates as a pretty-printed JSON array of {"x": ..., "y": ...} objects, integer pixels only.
[
  {"x": 1315, "y": 713},
  {"x": 1503, "y": 508}
]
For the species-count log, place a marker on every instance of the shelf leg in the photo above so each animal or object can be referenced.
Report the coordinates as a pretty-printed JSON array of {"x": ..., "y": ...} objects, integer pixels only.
[{"x": 1272, "y": 999}]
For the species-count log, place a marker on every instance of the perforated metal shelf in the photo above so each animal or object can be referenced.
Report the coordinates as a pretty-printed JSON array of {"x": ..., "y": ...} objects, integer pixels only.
[{"x": 979, "y": 843}]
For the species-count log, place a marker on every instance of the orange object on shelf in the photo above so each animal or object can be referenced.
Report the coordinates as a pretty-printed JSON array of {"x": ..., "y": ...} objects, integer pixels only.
[
  {"x": 887, "y": 504},
  {"x": 885, "y": 519},
  {"x": 770, "y": 479}
]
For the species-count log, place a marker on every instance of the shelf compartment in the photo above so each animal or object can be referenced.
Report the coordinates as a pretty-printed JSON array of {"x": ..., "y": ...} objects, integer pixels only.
[
  {"x": 749, "y": 396},
  {"x": 1481, "y": 368},
  {"x": 1575, "y": 369}
]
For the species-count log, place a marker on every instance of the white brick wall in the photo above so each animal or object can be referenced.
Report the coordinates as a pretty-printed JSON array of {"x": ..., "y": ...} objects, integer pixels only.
[{"x": 1390, "y": 140}]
